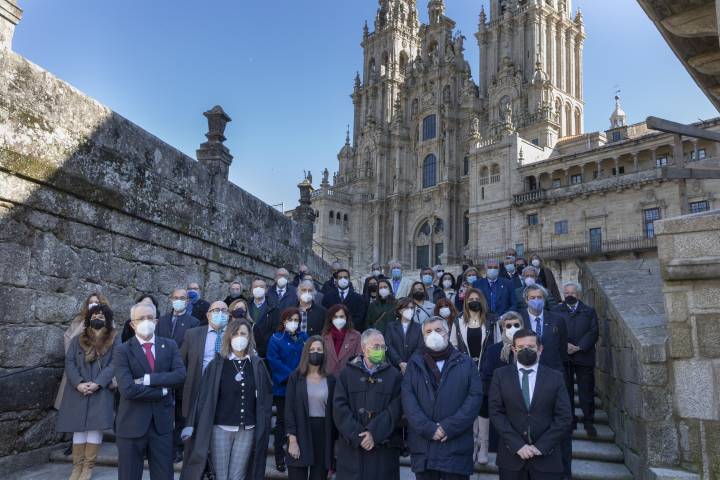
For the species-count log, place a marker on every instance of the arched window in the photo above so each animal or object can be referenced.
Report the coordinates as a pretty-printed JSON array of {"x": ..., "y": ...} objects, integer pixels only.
[
  {"x": 403, "y": 61},
  {"x": 429, "y": 245},
  {"x": 578, "y": 122},
  {"x": 345, "y": 218},
  {"x": 494, "y": 173},
  {"x": 466, "y": 227},
  {"x": 332, "y": 216},
  {"x": 429, "y": 171},
  {"x": 429, "y": 128},
  {"x": 337, "y": 216}
]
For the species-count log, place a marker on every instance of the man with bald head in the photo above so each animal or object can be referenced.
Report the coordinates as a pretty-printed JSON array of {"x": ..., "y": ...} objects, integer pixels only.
[{"x": 147, "y": 368}]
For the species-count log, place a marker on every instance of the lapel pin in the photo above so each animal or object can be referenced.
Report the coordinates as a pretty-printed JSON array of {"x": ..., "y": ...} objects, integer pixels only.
[{"x": 162, "y": 346}]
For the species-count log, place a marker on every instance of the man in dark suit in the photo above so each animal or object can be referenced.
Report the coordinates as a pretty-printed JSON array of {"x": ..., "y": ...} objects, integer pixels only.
[
  {"x": 147, "y": 368},
  {"x": 530, "y": 410},
  {"x": 261, "y": 313},
  {"x": 582, "y": 325},
  {"x": 174, "y": 325},
  {"x": 344, "y": 294},
  {"x": 282, "y": 295},
  {"x": 498, "y": 291},
  {"x": 330, "y": 284}
]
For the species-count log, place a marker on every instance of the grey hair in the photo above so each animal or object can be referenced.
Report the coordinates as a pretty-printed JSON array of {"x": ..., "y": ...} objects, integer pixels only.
[
  {"x": 577, "y": 286},
  {"x": 394, "y": 263},
  {"x": 138, "y": 305},
  {"x": 305, "y": 284},
  {"x": 370, "y": 332},
  {"x": 529, "y": 269},
  {"x": 533, "y": 288},
  {"x": 429, "y": 320},
  {"x": 510, "y": 315},
  {"x": 493, "y": 261}
]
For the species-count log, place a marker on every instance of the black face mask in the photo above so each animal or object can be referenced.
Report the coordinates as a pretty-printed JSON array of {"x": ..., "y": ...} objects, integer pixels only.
[
  {"x": 527, "y": 357},
  {"x": 238, "y": 313},
  {"x": 570, "y": 300},
  {"x": 419, "y": 295},
  {"x": 475, "y": 306},
  {"x": 372, "y": 288},
  {"x": 316, "y": 358},
  {"x": 97, "y": 324}
]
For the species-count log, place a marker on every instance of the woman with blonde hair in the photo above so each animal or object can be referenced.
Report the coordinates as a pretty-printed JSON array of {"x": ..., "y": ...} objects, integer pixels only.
[
  {"x": 472, "y": 333},
  {"x": 229, "y": 420}
]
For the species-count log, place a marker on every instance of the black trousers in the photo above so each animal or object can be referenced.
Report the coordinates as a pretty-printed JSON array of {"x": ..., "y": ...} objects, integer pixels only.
[
  {"x": 526, "y": 474},
  {"x": 435, "y": 475},
  {"x": 179, "y": 422},
  {"x": 584, "y": 376},
  {"x": 317, "y": 470},
  {"x": 157, "y": 446},
  {"x": 280, "y": 438}
]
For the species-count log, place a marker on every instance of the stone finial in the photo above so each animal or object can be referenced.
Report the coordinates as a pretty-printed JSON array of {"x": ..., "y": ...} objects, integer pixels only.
[
  {"x": 10, "y": 16},
  {"x": 304, "y": 215},
  {"x": 213, "y": 154}
]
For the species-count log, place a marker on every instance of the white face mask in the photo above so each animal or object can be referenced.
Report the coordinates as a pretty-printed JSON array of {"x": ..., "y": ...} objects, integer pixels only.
[
  {"x": 529, "y": 281},
  {"x": 510, "y": 332},
  {"x": 339, "y": 322},
  {"x": 447, "y": 283},
  {"x": 146, "y": 328},
  {"x": 239, "y": 344},
  {"x": 436, "y": 342},
  {"x": 384, "y": 292},
  {"x": 91, "y": 305},
  {"x": 306, "y": 297},
  {"x": 291, "y": 327},
  {"x": 281, "y": 282},
  {"x": 178, "y": 305},
  {"x": 445, "y": 312},
  {"x": 408, "y": 313},
  {"x": 259, "y": 292},
  {"x": 343, "y": 283},
  {"x": 376, "y": 273},
  {"x": 535, "y": 263}
]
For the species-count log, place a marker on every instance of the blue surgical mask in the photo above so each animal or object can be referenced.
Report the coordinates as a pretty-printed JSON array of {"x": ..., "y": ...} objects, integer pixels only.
[
  {"x": 396, "y": 273},
  {"x": 536, "y": 304},
  {"x": 492, "y": 273},
  {"x": 510, "y": 268},
  {"x": 427, "y": 279},
  {"x": 471, "y": 279},
  {"x": 220, "y": 319},
  {"x": 193, "y": 295}
]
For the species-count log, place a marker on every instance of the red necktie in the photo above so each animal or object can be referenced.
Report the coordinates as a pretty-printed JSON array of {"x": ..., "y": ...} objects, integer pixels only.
[{"x": 149, "y": 355}]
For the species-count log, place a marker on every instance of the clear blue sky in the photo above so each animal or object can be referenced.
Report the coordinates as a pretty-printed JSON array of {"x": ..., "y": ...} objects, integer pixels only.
[{"x": 283, "y": 70}]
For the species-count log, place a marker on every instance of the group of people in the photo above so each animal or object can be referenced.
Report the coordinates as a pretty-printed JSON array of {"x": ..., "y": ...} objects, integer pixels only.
[{"x": 441, "y": 369}]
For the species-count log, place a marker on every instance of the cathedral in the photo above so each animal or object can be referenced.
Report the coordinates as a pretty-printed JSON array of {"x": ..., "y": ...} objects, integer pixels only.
[{"x": 441, "y": 170}]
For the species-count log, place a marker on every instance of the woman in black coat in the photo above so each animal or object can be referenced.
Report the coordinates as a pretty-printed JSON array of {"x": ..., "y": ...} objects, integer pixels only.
[
  {"x": 403, "y": 336},
  {"x": 308, "y": 415},
  {"x": 221, "y": 426}
]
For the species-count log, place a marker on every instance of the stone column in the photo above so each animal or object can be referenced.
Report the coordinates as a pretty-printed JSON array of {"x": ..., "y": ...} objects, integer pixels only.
[
  {"x": 599, "y": 168},
  {"x": 571, "y": 65},
  {"x": 654, "y": 157},
  {"x": 616, "y": 164},
  {"x": 635, "y": 162},
  {"x": 396, "y": 233},
  {"x": 678, "y": 156},
  {"x": 376, "y": 234},
  {"x": 562, "y": 61},
  {"x": 446, "y": 227},
  {"x": 580, "y": 73},
  {"x": 213, "y": 154},
  {"x": 550, "y": 51},
  {"x": 10, "y": 16}
]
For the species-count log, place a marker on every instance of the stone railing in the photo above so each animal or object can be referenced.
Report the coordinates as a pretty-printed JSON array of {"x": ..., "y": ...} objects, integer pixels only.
[{"x": 330, "y": 193}]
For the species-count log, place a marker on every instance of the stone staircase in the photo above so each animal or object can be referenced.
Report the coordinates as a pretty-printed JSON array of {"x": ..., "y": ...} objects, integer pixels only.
[{"x": 593, "y": 459}]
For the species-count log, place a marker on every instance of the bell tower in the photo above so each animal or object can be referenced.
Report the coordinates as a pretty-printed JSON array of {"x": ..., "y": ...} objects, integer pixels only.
[{"x": 531, "y": 68}]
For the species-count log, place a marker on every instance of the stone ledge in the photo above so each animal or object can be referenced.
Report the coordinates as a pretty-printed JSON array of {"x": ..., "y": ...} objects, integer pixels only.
[{"x": 668, "y": 474}]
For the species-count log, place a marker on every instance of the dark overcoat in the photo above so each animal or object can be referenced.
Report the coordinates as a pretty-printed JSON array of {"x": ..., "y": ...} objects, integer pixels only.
[
  {"x": 368, "y": 402},
  {"x": 202, "y": 419},
  {"x": 297, "y": 421}
]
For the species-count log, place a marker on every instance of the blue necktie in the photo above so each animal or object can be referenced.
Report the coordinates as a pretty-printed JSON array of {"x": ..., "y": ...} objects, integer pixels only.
[
  {"x": 526, "y": 386},
  {"x": 538, "y": 326},
  {"x": 218, "y": 339}
]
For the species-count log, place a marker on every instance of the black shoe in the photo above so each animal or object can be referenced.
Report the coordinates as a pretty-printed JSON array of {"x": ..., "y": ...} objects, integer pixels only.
[
  {"x": 280, "y": 467},
  {"x": 590, "y": 430},
  {"x": 178, "y": 457}
]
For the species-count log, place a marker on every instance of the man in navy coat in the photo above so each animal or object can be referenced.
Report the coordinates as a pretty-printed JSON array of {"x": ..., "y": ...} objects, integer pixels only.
[
  {"x": 174, "y": 325},
  {"x": 498, "y": 291},
  {"x": 344, "y": 293},
  {"x": 147, "y": 368}
]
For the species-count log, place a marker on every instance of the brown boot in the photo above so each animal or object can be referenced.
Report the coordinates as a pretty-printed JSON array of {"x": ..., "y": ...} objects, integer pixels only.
[
  {"x": 78, "y": 456},
  {"x": 91, "y": 451}
]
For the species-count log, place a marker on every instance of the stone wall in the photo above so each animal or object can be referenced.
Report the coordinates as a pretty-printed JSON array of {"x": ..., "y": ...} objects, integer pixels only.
[
  {"x": 632, "y": 372},
  {"x": 90, "y": 201},
  {"x": 689, "y": 253}
]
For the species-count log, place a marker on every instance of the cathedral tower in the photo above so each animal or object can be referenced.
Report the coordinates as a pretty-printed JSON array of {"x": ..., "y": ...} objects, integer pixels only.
[{"x": 531, "y": 56}]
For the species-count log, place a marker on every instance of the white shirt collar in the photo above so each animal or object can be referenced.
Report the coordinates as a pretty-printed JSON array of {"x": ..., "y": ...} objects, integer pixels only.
[
  {"x": 152, "y": 340},
  {"x": 534, "y": 368},
  {"x": 533, "y": 317},
  {"x": 235, "y": 357}
]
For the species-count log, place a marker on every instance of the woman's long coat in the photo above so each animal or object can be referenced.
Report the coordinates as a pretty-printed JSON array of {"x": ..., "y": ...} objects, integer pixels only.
[
  {"x": 80, "y": 413},
  {"x": 202, "y": 419}
]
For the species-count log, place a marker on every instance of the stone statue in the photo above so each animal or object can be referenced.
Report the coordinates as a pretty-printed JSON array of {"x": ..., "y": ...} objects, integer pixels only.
[
  {"x": 507, "y": 113},
  {"x": 326, "y": 174}
]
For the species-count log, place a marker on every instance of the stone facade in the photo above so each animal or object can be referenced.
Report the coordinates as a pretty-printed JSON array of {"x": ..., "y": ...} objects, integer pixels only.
[
  {"x": 441, "y": 170},
  {"x": 90, "y": 201}
]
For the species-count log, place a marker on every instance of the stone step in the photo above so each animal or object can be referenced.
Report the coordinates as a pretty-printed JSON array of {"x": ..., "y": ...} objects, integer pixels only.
[{"x": 601, "y": 416}]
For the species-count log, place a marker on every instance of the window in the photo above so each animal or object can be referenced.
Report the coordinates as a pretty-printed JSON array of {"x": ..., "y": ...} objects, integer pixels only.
[
  {"x": 422, "y": 253},
  {"x": 535, "y": 141},
  {"x": 429, "y": 171},
  {"x": 466, "y": 228},
  {"x": 661, "y": 161},
  {"x": 620, "y": 169},
  {"x": 616, "y": 137},
  {"x": 561, "y": 227},
  {"x": 520, "y": 249},
  {"x": 697, "y": 207},
  {"x": 429, "y": 130},
  {"x": 439, "y": 247},
  {"x": 337, "y": 216},
  {"x": 556, "y": 183},
  {"x": 698, "y": 154},
  {"x": 649, "y": 217},
  {"x": 332, "y": 216},
  {"x": 533, "y": 219},
  {"x": 466, "y": 165},
  {"x": 345, "y": 218},
  {"x": 576, "y": 179},
  {"x": 596, "y": 239}
]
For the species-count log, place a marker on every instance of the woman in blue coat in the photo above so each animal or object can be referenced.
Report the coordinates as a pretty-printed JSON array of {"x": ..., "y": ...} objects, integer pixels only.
[{"x": 283, "y": 355}]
